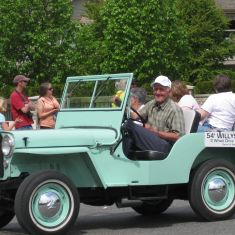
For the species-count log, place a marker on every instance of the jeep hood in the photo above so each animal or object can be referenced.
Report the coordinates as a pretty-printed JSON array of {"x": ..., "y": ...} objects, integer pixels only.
[{"x": 67, "y": 137}]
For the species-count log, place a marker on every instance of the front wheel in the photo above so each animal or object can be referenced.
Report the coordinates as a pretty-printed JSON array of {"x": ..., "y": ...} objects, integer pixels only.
[
  {"x": 212, "y": 190},
  {"x": 47, "y": 203},
  {"x": 153, "y": 208}
]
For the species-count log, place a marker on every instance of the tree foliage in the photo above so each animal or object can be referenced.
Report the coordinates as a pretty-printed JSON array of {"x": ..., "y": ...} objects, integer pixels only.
[
  {"x": 205, "y": 26},
  {"x": 182, "y": 39},
  {"x": 144, "y": 37},
  {"x": 37, "y": 39},
  {"x": 90, "y": 51}
]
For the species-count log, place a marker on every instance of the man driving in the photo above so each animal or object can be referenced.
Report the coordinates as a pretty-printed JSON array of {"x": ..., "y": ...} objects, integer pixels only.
[{"x": 165, "y": 121}]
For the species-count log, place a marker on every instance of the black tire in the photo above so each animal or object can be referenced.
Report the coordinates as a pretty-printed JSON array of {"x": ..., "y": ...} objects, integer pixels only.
[
  {"x": 6, "y": 217},
  {"x": 44, "y": 195},
  {"x": 212, "y": 190},
  {"x": 153, "y": 208}
]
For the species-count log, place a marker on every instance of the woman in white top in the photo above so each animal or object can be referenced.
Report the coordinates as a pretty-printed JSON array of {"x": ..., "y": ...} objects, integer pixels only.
[
  {"x": 180, "y": 94},
  {"x": 4, "y": 125},
  {"x": 219, "y": 108}
]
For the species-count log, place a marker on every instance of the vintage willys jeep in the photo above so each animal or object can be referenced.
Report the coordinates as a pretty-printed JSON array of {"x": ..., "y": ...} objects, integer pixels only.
[{"x": 46, "y": 174}]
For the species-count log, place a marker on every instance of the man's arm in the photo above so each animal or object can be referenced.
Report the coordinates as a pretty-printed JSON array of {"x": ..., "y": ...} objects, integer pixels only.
[
  {"x": 169, "y": 136},
  {"x": 27, "y": 107},
  {"x": 19, "y": 104},
  {"x": 204, "y": 114},
  {"x": 207, "y": 108},
  {"x": 176, "y": 126}
]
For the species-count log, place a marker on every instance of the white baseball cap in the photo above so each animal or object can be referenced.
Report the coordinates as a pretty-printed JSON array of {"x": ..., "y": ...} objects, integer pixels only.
[{"x": 162, "y": 80}]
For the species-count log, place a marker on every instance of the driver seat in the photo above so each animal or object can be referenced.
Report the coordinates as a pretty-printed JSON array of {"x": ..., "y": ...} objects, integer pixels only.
[
  {"x": 147, "y": 155},
  {"x": 191, "y": 118},
  {"x": 132, "y": 152}
]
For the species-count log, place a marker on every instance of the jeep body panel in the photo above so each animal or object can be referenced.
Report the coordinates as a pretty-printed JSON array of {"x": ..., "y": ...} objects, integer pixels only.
[
  {"x": 45, "y": 174},
  {"x": 82, "y": 143},
  {"x": 95, "y": 164},
  {"x": 66, "y": 137}
]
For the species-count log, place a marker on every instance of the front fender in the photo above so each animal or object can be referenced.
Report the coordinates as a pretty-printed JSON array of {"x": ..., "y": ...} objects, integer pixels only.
[{"x": 74, "y": 162}]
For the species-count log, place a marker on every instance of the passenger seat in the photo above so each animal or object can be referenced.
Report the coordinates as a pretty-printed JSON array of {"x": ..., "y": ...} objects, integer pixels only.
[{"x": 191, "y": 119}]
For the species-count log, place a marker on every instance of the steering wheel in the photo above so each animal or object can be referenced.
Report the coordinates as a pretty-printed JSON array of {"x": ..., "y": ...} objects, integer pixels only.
[{"x": 142, "y": 120}]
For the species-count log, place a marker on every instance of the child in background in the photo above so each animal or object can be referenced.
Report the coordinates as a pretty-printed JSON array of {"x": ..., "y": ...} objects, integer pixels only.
[
  {"x": 119, "y": 96},
  {"x": 4, "y": 125}
]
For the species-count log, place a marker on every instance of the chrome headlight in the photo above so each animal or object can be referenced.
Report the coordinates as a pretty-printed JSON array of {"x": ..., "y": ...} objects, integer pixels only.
[{"x": 7, "y": 145}]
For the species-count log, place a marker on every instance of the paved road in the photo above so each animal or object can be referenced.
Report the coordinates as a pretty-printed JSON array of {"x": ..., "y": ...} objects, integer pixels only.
[{"x": 178, "y": 219}]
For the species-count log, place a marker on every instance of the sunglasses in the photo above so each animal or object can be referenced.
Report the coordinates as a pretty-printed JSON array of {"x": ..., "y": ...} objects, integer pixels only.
[
  {"x": 25, "y": 81},
  {"x": 50, "y": 89}
]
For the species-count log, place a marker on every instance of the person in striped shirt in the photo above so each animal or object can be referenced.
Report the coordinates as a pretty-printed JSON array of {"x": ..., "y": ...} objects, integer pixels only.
[{"x": 164, "y": 120}]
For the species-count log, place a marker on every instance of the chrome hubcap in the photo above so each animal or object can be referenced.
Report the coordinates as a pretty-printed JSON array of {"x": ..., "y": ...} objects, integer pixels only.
[
  {"x": 49, "y": 204},
  {"x": 217, "y": 189}
]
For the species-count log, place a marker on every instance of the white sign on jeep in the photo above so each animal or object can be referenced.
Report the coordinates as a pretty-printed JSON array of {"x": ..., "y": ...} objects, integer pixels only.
[{"x": 219, "y": 139}]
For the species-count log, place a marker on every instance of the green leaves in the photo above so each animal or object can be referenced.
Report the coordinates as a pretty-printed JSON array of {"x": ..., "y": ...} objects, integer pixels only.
[
  {"x": 182, "y": 39},
  {"x": 36, "y": 39},
  {"x": 143, "y": 37},
  {"x": 204, "y": 26}
]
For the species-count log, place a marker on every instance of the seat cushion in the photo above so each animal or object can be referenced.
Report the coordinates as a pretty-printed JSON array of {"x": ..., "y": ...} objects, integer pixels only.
[
  {"x": 147, "y": 155},
  {"x": 191, "y": 120}
]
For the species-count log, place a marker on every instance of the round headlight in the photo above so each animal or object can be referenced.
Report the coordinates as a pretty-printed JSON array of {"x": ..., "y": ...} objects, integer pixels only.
[{"x": 7, "y": 145}]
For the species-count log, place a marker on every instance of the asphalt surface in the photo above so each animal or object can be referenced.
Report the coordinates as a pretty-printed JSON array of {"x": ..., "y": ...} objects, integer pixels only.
[{"x": 178, "y": 219}]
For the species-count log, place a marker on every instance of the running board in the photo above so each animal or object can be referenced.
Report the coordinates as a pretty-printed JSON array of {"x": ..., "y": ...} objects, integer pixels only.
[
  {"x": 149, "y": 193},
  {"x": 128, "y": 203}
]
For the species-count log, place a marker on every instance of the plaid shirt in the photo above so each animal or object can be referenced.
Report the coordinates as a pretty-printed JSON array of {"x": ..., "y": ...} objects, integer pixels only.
[{"x": 167, "y": 116}]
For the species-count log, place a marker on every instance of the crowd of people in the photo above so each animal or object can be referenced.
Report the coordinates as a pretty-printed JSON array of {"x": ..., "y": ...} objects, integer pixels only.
[
  {"x": 163, "y": 115},
  {"x": 21, "y": 107}
]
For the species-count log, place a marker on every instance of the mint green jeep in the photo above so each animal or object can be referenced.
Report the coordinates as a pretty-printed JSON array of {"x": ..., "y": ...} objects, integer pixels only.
[{"x": 46, "y": 174}]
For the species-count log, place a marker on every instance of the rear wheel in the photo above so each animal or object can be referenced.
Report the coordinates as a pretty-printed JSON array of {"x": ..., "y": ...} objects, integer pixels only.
[
  {"x": 154, "y": 207},
  {"x": 212, "y": 190},
  {"x": 47, "y": 203}
]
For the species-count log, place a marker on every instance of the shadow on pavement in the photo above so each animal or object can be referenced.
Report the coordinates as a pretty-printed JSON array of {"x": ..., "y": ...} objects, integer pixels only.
[
  {"x": 101, "y": 220},
  {"x": 129, "y": 220}
]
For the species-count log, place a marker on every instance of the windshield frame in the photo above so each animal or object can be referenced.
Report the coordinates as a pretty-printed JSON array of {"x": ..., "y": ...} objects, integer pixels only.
[{"x": 96, "y": 78}]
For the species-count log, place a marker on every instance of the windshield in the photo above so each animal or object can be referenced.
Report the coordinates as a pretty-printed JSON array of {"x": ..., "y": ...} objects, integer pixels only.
[{"x": 108, "y": 93}]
